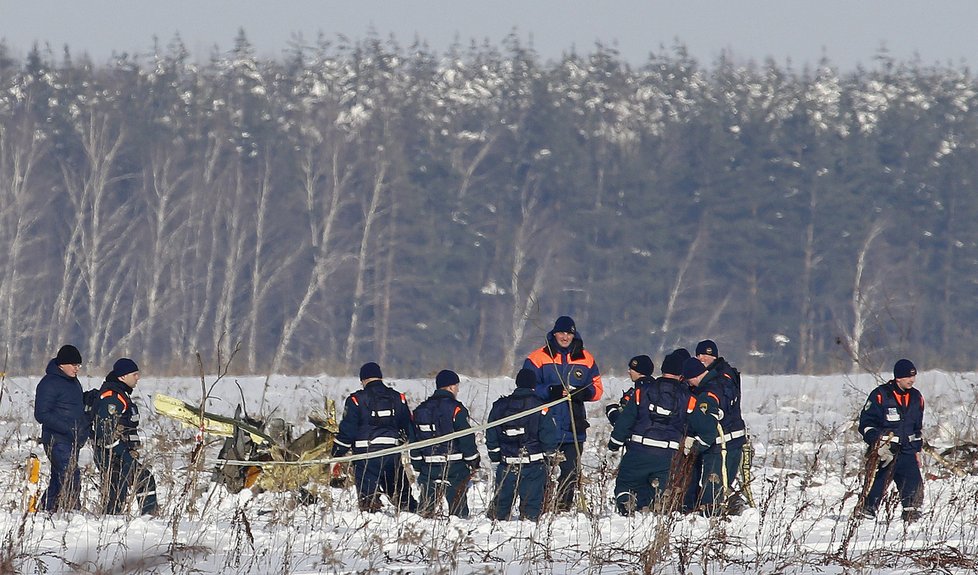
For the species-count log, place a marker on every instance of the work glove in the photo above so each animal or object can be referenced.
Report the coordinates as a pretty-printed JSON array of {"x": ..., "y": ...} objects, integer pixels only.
[
  {"x": 887, "y": 452},
  {"x": 688, "y": 444},
  {"x": 556, "y": 392},
  {"x": 613, "y": 447},
  {"x": 554, "y": 458}
]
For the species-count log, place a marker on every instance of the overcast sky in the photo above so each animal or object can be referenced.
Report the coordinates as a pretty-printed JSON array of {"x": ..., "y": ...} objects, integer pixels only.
[{"x": 848, "y": 32}]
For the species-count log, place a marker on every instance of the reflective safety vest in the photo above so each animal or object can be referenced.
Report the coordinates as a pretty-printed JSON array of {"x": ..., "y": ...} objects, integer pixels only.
[
  {"x": 435, "y": 417},
  {"x": 525, "y": 439},
  {"x": 889, "y": 409},
  {"x": 661, "y": 416},
  {"x": 375, "y": 418}
]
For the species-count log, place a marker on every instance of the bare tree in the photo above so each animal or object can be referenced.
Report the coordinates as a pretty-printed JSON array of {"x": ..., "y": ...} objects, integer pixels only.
[
  {"x": 863, "y": 296},
  {"x": 22, "y": 149},
  {"x": 371, "y": 215}
]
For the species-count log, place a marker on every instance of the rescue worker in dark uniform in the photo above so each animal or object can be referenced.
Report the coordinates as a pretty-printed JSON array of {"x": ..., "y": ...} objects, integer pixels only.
[
  {"x": 117, "y": 443},
  {"x": 613, "y": 410},
  {"x": 651, "y": 427},
  {"x": 376, "y": 418},
  {"x": 563, "y": 367},
  {"x": 444, "y": 469},
  {"x": 890, "y": 423},
  {"x": 706, "y": 487},
  {"x": 522, "y": 448},
  {"x": 59, "y": 407},
  {"x": 734, "y": 429}
]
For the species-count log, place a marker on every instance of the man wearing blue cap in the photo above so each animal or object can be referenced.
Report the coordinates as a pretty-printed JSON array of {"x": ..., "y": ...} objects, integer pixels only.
[
  {"x": 444, "y": 468},
  {"x": 117, "y": 443},
  {"x": 59, "y": 407},
  {"x": 706, "y": 487},
  {"x": 563, "y": 368},
  {"x": 375, "y": 418},
  {"x": 890, "y": 423},
  {"x": 734, "y": 437},
  {"x": 651, "y": 427}
]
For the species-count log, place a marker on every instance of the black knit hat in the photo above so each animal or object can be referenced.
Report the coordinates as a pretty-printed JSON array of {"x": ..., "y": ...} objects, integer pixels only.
[
  {"x": 673, "y": 362},
  {"x": 904, "y": 368},
  {"x": 124, "y": 366},
  {"x": 642, "y": 364},
  {"x": 370, "y": 370},
  {"x": 526, "y": 378},
  {"x": 445, "y": 378},
  {"x": 693, "y": 367},
  {"x": 707, "y": 347},
  {"x": 565, "y": 324},
  {"x": 68, "y": 355}
]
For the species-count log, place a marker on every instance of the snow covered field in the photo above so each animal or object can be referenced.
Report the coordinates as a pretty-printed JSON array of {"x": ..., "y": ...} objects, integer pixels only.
[{"x": 807, "y": 476}]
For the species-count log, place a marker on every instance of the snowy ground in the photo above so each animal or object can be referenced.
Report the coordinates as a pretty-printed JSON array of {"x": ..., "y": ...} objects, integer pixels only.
[{"x": 807, "y": 476}]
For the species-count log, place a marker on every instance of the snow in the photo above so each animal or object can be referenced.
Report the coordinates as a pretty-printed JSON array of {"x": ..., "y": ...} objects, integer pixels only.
[{"x": 807, "y": 466}]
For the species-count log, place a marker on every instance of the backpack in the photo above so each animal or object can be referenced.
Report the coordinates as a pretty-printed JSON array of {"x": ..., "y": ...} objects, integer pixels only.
[{"x": 90, "y": 398}]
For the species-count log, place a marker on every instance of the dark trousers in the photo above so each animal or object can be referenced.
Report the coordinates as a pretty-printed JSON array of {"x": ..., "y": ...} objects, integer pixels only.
[
  {"x": 64, "y": 488},
  {"x": 448, "y": 481},
  {"x": 706, "y": 481},
  {"x": 732, "y": 461},
  {"x": 567, "y": 482},
  {"x": 527, "y": 480},
  {"x": 120, "y": 473},
  {"x": 383, "y": 475},
  {"x": 904, "y": 470},
  {"x": 642, "y": 477}
]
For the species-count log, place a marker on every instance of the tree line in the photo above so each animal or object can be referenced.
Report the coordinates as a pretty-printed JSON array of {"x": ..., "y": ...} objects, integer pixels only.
[{"x": 361, "y": 200}]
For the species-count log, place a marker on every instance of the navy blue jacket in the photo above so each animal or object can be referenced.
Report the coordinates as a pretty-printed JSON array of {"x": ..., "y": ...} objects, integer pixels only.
[
  {"x": 116, "y": 416},
  {"x": 561, "y": 370},
  {"x": 440, "y": 415},
  {"x": 374, "y": 418},
  {"x": 59, "y": 407},
  {"x": 523, "y": 440},
  {"x": 890, "y": 409},
  {"x": 703, "y": 419},
  {"x": 721, "y": 374},
  {"x": 653, "y": 419}
]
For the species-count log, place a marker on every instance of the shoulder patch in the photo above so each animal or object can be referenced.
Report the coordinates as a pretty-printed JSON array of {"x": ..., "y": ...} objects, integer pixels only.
[
  {"x": 704, "y": 407},
  {"x": 112, "y": 409}
]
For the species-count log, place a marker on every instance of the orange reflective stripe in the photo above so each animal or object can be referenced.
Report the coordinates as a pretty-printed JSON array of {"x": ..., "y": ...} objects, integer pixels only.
[
  {"x": 638, "y": 396},
  {"x": 354, "y": 399},
  {"x": 691, "y": 404},
  {"x": 122, "y": 398},
  {"x": 711, "y": 394},
  {"x": 457, "y": 410},
  {"x": 598, "y": 385}
]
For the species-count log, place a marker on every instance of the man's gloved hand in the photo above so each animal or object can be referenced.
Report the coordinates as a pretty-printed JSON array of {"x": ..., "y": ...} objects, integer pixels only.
[
  {"x": 611, "y": 408},
  {"x": 555, "y": 457},
  {"x": 613, "y": 447},
  {"x": 556, "y": 392},
  {"x": 688, "y": 444},
  {"x": 475, "y": 463},
  {"x": 887, "y": 452}
]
